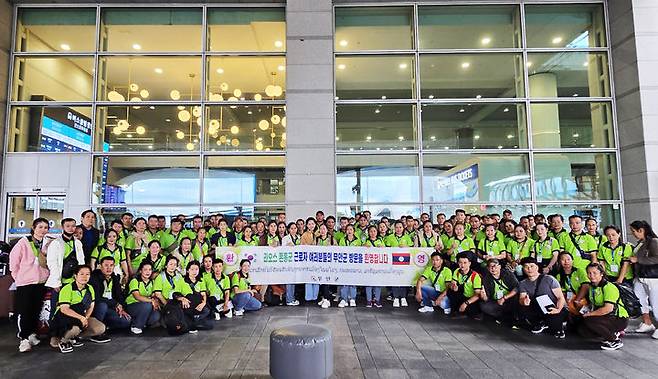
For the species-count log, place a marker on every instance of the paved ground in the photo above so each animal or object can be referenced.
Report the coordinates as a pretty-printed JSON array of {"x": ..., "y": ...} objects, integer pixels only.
[{"x": 368, "y": 343}]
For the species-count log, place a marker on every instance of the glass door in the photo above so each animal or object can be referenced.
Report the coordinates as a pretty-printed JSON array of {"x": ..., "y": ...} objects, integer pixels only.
[{"x": 22, "y": 209}]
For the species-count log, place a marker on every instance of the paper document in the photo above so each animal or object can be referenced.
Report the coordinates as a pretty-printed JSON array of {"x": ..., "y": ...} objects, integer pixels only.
[{"x": 545, "y": 302}]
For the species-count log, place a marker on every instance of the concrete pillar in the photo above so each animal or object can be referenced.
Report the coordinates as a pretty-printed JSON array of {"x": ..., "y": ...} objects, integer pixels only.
[
  {"x": 545, "y": 118},
  {"x": 5, "y": 47},
  {"x": 310, "y": 163},
  {"x": 634, "y": 42}
]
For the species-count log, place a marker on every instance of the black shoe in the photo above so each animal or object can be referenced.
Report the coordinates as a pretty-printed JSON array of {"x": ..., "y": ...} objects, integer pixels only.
[
  {"x": 560, "y": 335},
  {"x": 103, "y": 338},
  {"x": 75, "y": 342},
  {"x": 65, "y": 347},
  {"x": 612, "y": 345},
  {"x": 539, "y": 328}
]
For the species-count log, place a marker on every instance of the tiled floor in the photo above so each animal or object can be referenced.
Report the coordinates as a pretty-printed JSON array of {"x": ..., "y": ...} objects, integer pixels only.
[{"x": 368, "y": 343}]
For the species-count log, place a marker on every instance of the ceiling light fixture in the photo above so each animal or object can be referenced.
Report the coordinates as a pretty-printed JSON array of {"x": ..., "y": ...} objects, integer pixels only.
[
  {"x": 137, "y": 46},
  {"x": 65, "y": 46}
]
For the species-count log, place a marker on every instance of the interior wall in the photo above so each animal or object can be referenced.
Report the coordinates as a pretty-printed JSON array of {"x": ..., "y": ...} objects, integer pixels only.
[{"x": 5, "y": 47}]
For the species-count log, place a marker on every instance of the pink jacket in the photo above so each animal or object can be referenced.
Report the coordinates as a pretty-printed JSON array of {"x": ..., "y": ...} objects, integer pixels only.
[{"x": 24, "y": 266}]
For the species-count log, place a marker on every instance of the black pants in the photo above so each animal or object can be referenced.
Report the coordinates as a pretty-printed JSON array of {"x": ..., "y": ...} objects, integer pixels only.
[
  {"x": 29, "y": 299},
  {"x": 533, "y": 316},
  {"x": 506, "y": 313},
  {"x": 603, "y": 327},
  {"x": 458, "y": 298}
]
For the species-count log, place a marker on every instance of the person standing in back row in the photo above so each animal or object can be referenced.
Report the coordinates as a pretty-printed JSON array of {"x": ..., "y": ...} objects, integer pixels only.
[{"x": 645, "y": 284}]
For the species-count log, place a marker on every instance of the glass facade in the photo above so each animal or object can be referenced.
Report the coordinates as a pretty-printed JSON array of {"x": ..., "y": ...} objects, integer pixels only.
[{"x": 481, "y": 107}]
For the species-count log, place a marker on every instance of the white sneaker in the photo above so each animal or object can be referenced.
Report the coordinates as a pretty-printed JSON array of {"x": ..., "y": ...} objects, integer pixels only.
[
  {"x": 34, "y": 341},
  {"x": 325, "y": 304},
  {"x": 24, "y": 346},
  {"x": 396, "y": 303},
  {"x": 644, "y": 328},
  {"x": 352, "y": 303},
  {"x": 655, "y": 335},
  {"x": 239, "y": 312},
  {"x": 135, "y": 330},
  {"x": 320, "y": 302},
  {"x": 217, "y": 316},
  {"x": 403, "y": 302},
  {"x": 447, "y": 311},
  {"x": 342, "y": 304},
  {"x": 426, "y": 309},
  {"x": 229, "y": 314},
  {"x": 293, "y": 303}
]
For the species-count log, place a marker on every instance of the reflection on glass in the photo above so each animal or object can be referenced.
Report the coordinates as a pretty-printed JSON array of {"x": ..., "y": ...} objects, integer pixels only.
[
  {"x": 481, "y": 177},
  {"x": 250, "y": 212},
  {"x": 568, "y": 74},
  {"x": 246, "y": 78},
  {"x": 52, "y": 79},
  {"x": 449, "y": 209},
  {"x": 148, "y": 128},
  {"x": 375, "y": 127},
  {"x": 565, "y": 25},
  {"x": 138, "y": 79},
  {"x": 471, "y": 75},
  {"x": 469, "y": 27},
  {"x": 374, "y": 28},
  {"x": 604, "y": 214},
  {"x": 244, "y": 179},
  {"x": 474, "y": 126},
  {"x": 375, "y": 77},
  {"x": 50, "y": 129},
  {"x": 151, "y": 29},
  {"x": 245, "y": 127},
  {"x": 106, "y": 215},
  {"x": 377, "y": 179},
  {"x": 572, "y": 125},
  {"x": 146, "y": 180},
  {"x": 392, "y": 211},
  {"x": 58, "y": 29},
  {"x": 578, "y": 176},
  {"x": 247, "y": 29}
]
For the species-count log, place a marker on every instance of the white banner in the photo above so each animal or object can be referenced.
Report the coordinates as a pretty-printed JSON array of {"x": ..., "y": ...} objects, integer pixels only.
[{"x": 342, "y": 265}]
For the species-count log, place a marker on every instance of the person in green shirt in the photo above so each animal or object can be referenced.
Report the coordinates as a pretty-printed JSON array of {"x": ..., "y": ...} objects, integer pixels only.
[
  {"x": 361, "y": 230},
  {"x": 141, "y": 303},
  {"x": 491, "y": 247},
  {"x": 192, "y": 295},
  {"x": 170, "y": 239},
  {"x": 136, "y": 244},
  {"x": 271, "y": 238},
  {"x": 155, "y": 258},
  {"x": 508, "y": 226},
  {"x": 428, "y": 238},
  {"x": 460, "y": 243},
  {"x": 110, "y": 248},
  {"x": 432, "y": 286},
  {"x": 545, "y": 249},
  {"x": 185, "y": 254},
  {"x": 593, "y": 230},
  {"x": 218, "y": 286},
  {"x": 446, "y": 234},
  {"x": 465, "y": 288},
  {"x": 573, "y": 280},
  {"x": 243, "y": 294},
  {"x": 166, "y": 281},
  {"x": 340, "y": 233},
  {"x": 117, "y": 226},
  {"x": 247, "y": 238},
  {"x": 518, "y": 248},
  {"x": 200, "y": 244},
  {"x": 583, "y": 246},
  {"x": 399, "y": 239},
  {"x": 607, "y": 317},
  {"x": 348, "y": 293},
  {"x": 499, "y": 294},
  {"x": 615, "y": 256},
  {"x": 476, "y": 232},
  {"x": 557, "y": 231},
  {"x": 373, "y": 294}
]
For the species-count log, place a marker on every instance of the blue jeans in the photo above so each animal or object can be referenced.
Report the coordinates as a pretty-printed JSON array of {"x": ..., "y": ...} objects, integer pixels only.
[
  {"x": 430, "y": 294},
  {"x": 142, "y": 314},
  {"x": 290, "y": 293},
  {"x": 245, "y": 301},
  {"x": 311, "y": 291},
  {"x": 348, "y": 292},
  {"x": 373, "y": 293},
  {"x": 109, "y": 316},
  {"x": 399, "y": 292}
]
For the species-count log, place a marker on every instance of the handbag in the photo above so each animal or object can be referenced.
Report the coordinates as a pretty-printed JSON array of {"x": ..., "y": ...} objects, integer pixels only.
[{"x": 648, "y": 271}]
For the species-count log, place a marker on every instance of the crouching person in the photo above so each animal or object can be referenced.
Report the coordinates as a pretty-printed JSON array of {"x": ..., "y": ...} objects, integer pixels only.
[
  {"x": 466, "y": 287},
  {"x": 192, "y": 295},
  {"x": 142, "y": 305},
  {"x": 432, "y": 286},
  {"x": 244, "y": 299},
  {"x": 108, "y": 307},
  {"x": 499, "y": 294},
  {"x": 73, "y": 316},
  {"x": 218, "y": 286},
  {"x": 607, "y": 316}
]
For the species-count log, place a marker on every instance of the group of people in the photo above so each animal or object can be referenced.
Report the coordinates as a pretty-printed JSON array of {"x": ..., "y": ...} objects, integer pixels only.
[{"x": 531, "y": 274}]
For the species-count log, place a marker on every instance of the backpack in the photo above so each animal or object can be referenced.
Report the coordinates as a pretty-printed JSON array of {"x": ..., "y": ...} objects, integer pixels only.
[
  {"x": 629, "y": 300},
  {"x": 175, "y": 319}
]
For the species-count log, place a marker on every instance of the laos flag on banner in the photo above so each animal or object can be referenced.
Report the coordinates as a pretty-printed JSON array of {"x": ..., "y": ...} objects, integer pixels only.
[{"x": 401, "y": 258}]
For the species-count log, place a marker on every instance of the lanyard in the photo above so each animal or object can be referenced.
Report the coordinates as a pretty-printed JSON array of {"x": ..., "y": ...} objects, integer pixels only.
[
  {"x": 464, "y": 277},
  {"x": 428, "y": 241},
  {"x": 488, "y": 244},
  {"x": 541, "y": 244},
  {"x": 613, "y": 251},
  {"x": 170, "y": 279}
]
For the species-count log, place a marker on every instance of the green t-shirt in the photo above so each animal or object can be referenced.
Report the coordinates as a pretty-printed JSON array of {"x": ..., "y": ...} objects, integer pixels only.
[
  {"x": 216, "y": 287},
  {"x": 519, "y": 250},
  {"x": 165, "y": 284},
  {"x": 600, "y": 239},
  {"x": 158, "y": 264},
  {"x": 562, "y": 238},
  {"x": 470, "y": 282},
  {"x": 444, "y": 240},
  {"x": 121, "y": 240},
  {"x": 437, "y": 279},
  {"x": 609, "y": 293},
  {"x": 187, "y": 287},
  {"x": 614, "y": 259},
  {"x": 411, "y": 233},
  {"x": 71, "y": 295},
  {"x": 424, "y": 241},
  {"x": 186, "y": 259},
  {"x": 143, "y": 288},
  {"x": 242, "y": 242},
  {"x": 338, "y": 235},
  {"x": 500, "y": 289},
  {"x": 200, "y": 250},
  {"x": 571, "y": 283},
  {"x": 465, "y": 244},
  {"x": 361, "y": 234},
  {"x": 585, "y": 243},
  {"x": 324, "y": 241},
  {"x": 487, "y": 247},
  {"x": 222, "y": 241},
  {"x": 378, "y": 242},
  {"x": 345, "y": 242},
  {"x": 394, "y": 241},
  {"x": 240, "y": 281},
  {"x": 100, "y": 252},
  {"x": 544, "y": 250},
  {"x": 169, "y": 242}
]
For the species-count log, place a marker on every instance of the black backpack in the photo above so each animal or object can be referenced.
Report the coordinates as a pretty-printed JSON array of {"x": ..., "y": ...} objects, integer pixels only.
[
  {"x": 175, "y": 320},
  {"x": 629, "y": 300}
]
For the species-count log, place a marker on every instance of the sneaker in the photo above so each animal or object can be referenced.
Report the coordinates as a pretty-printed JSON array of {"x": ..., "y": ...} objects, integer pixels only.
[
  {"x": 369, "y": 303},
  {"x": 325, "y": 304},
  {"x": 229, "y": 314},
  {"x": 217, "y": 316},
  {"x": 447, "y": 311},
  {"x": 389, "y": 297},
  {"x": 293, "y": 303},
  {"x": 538, "y": 329},
  {"x": 560, "y": 335},
  {"x": 515, "y": 327},
  {"x": 75, "y": 342},
  {"x": 239, "y": 312},
  {"x": 352, "y": 303},
  {"x": 403, "y": 302},
  {"x": 320, "y": 302},
  {"x": 612, "y": 345},
  {"x": 342, "y": 304},
  {"x": 65, "y": 347},
  {"x": 655, "y": 335},
  {"x": 102, "y": 338},
  {"x": 377, "y": 304},
  {"x": 193, "y": 331},
  {"x": 396, "y": 303},
  {"x": 644, "y": 328},
  {"x": 135, "y": 330},
  {"x": 24, "y": 346},
  {"x": 34, "y": 340},
  {"x": 426, "y": 309}
]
